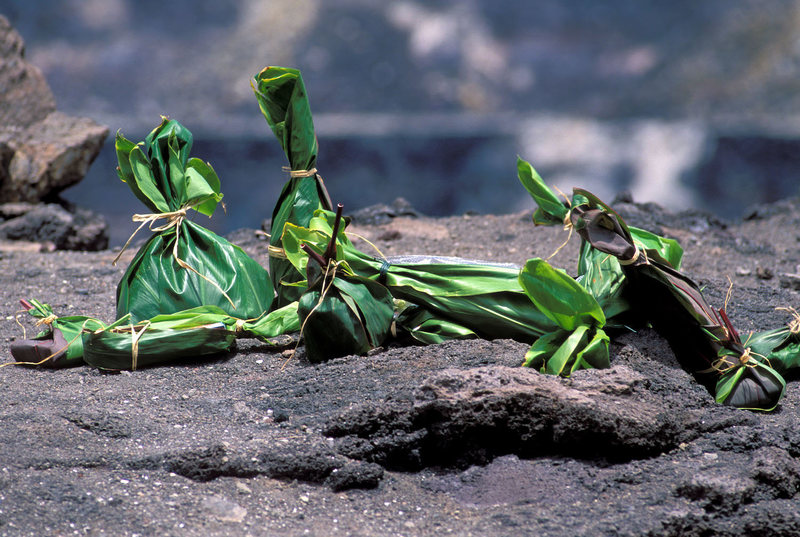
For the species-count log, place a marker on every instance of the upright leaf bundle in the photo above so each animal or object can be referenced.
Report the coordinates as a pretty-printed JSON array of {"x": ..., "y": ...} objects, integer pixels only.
[
  {"x": 183, "y": 265},
  {"x": 282, "y": 99}
]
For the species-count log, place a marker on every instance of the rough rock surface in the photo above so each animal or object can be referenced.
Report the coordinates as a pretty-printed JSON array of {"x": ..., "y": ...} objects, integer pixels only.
[
  {"x": 54, "y": 226},
  {"x": 42, "y": 151},
  {"x": 410, "y": 440}
]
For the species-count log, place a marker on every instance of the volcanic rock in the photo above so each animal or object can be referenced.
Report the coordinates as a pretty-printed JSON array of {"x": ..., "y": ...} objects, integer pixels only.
[{"x": 42, "y": 151}]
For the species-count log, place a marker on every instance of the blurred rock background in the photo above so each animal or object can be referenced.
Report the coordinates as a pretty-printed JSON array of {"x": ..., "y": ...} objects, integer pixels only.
[{"x": 684, "y": 103}]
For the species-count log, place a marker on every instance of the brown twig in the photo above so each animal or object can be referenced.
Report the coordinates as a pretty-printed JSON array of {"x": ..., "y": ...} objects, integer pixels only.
[{"x": 330, "y": 251}]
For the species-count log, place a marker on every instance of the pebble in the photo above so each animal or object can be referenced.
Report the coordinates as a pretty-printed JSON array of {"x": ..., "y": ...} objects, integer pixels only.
[
  {"x": 764, "y": 273},
  {"x": 790, "y": 281}
]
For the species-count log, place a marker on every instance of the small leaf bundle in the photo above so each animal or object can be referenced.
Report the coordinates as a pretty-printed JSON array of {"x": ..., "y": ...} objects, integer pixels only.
[
  {"x": 59, "y": 344},
  {"x": 580, "y": 343},
  {"x": 779, "y": 347},
  {"x": 190, "y": 333},
  {"x": 183, "y": 265},
  {"x": 341, "y": 313},
  {"x": 282, "y": 99}
]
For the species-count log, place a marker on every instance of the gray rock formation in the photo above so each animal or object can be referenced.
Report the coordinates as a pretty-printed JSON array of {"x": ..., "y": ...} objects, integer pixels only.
[
  {"x": 42, "y": 152},
  {"x": 80, "y": 229}
]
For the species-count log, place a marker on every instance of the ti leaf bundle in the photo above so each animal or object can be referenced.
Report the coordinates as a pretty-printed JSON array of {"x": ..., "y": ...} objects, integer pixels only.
[
  {"x": 643, "y": 279},
  {"x": 341, "y": 313},
  {"x": 580, "y": 343},
  {"x": 124, "y": 344},
  {"x": 282, "y": 99},
  {"x": 183, "y": 265},
  {"x": 445, "y": 298},
  {"x": 780, "y": 347},
  {"x": 59, "y": 344}
]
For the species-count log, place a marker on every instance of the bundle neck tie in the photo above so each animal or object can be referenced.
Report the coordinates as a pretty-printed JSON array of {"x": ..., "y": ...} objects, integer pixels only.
[
  {"x": 300, "y": 173},
  {"x": 174, "y": 220}
]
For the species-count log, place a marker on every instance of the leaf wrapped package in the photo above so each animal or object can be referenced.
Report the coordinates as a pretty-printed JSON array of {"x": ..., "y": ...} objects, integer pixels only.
[
  {"x": 165, "y": 338},
  {"x": 703, "y": 338},
  {"x": 780, "y": 347},
  {"x": 183, "y": 265},
  {"x": 282, "y": 98},
  {"x": 341, "y": 313},
  {"x": 190, "y": 333},
  {"x": 59, "y": 344},
  {"x": 484, "y": 299},
  {"x": 580, "y": 343}
]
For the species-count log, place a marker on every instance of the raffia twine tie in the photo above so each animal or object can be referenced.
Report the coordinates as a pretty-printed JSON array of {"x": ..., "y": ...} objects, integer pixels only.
[
  {"x": 794, "y": 324},
  {"x": 300, "y": 173},
  {"x": 174, "y": 220},
  {"x": 46, "y": 320},
  {"x": 135, "y": 337},
  {"x": 632, "y": 260},
  {"x": 722, "y": 364},
  {"x": 567, "y": 227}
]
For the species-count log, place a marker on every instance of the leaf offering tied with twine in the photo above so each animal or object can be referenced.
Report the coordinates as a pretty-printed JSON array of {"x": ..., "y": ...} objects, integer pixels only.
[
  {"x": 59, "y": 344},
  {"x": 183, "y": 265},
  {"x": 282, "y": 99},
  {"x": 341, "y": 313},
  {"x": 703, "y": 339},
  {"x": 190, "y": 333},
  {"x": 780, "y": 346}
]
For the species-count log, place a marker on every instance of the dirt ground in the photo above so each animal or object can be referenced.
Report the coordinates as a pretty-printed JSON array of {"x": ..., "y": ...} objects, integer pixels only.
[{"x": 451, "y": 439}]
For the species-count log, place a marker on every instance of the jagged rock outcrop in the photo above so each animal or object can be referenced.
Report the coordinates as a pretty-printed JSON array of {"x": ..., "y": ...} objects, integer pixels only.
[{"x": 42, "y": 151}]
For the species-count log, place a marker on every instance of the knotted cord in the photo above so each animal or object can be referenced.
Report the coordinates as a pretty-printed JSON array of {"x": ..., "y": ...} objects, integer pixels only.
[{"x": 174, "y": 220}]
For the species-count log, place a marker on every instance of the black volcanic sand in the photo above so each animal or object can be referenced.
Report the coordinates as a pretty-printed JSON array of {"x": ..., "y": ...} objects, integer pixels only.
[{"x": 445, "y": 439}]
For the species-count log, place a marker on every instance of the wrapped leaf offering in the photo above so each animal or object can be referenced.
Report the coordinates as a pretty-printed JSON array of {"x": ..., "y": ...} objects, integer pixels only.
[
  {"x": 462, "y": 297},
  {"x": 282, "y": 99},
  {"x": 189, "y": 334},
  {"x": 341, "y": 313},
  {"x": 124, "y": 345},
  {"x": 59, "y": 344},
  {"x": 780, "y": 347},
  {"x": 183, "y": 265},
  {"x": 703, "y": 338}
]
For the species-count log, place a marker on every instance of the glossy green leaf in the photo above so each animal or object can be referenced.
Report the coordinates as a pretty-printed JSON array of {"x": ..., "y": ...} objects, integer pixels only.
[
  {"x": 552, "y": 209},
  {"x": 560, "y": 297}
]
